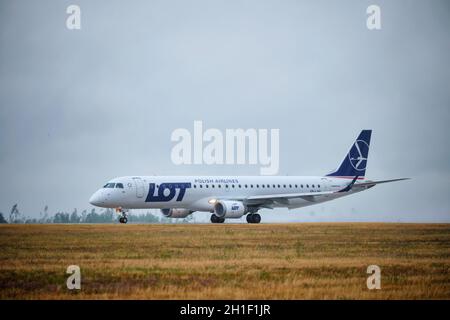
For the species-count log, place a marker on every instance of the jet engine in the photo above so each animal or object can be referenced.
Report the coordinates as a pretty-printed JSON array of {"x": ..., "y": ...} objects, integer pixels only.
[
  {"x": 176, "y": 213},
  {"x": 229, "y": 209}
]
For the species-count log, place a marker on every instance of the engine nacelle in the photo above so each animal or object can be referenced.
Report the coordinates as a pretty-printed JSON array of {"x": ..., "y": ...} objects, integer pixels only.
[
  {"x": 176, "y": 213},
  {"x": 229, "y": 209}
]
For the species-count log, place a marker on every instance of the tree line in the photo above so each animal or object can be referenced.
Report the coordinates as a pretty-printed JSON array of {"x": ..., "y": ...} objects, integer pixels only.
[{"x": 92, "y": 216}]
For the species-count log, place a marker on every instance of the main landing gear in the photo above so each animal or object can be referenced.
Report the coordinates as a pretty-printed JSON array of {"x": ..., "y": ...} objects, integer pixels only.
[
  {"x": 216, "y": 219},
  {"x": 253, "y": 218},
  {"x": 123, "y": 215}
]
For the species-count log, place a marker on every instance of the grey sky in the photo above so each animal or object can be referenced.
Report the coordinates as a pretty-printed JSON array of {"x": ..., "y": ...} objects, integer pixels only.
[{"x": 80, "y": 107}]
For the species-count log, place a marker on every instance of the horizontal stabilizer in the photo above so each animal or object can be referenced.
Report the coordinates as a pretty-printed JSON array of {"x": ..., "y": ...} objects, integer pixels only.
[{"x": 372, "y": 183}]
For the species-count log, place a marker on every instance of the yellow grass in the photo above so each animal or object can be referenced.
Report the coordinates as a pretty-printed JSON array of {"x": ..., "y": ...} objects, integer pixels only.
[{"x": 230, "y": 261}]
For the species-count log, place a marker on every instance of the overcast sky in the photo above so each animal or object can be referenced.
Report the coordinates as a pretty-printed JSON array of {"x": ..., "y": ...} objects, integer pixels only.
[{"x": 78, "y": 107}]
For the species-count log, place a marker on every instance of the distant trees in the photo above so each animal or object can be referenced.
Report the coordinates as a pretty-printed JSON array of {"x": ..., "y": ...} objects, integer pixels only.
[
  {"x": 188, "y": 219},
  {"x": 61, "y": 217},
  {"x": 105, "y": 216},
  {"x": 144, "y": 218},
  {"x": 74, "y": 218},
  {"x": 83, "y": 215},
  {"x": 14, "y": 215},
  {"x": 43, "y": 217}
]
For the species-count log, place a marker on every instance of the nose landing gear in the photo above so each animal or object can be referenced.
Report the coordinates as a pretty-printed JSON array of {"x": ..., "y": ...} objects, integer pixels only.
[
  {"x": 123, "y": 215},
  {"x": 123, "y": 220}
]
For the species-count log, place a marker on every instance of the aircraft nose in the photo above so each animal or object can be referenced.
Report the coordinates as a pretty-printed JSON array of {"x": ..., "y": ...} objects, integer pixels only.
[{"x": 96, "y": 199}]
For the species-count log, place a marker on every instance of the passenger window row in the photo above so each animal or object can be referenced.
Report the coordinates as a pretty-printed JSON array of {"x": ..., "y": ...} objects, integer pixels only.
[{"x": 274, "y": 186}]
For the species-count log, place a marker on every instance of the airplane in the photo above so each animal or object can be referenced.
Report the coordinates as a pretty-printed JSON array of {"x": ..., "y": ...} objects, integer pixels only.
[{"x": 231, "y": 197}]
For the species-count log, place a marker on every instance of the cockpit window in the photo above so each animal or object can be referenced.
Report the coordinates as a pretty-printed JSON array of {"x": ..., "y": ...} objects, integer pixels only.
[
  {"x": 109, "y": 185},
  {"x": 119, "y": 185}
]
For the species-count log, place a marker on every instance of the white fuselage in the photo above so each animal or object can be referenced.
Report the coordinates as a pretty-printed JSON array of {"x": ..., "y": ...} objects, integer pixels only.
[
  {"x": 198, "y": 193},
  {"x": 231, "y": 197}
]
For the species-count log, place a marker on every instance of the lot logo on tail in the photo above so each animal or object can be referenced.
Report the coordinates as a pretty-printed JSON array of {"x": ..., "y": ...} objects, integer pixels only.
[{"x": 356, "y": 155}]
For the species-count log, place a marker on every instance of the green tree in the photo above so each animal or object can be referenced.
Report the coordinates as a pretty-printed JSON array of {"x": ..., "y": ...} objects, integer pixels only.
[
  {"x": 74, "y": 218},
  {"x": 83, "y": 216},
  {"x": 106, "y": 216},
  {"x": 43, "y": 217},
  {"x": 61, "y": 217},
  {"x": 2, "y": 219},
  {"x": 14, "y": 215},
  {"x": 92, "y": 217}
]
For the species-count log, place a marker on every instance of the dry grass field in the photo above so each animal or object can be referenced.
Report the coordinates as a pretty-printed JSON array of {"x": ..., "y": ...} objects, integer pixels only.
[{"x": 230, "y": 261}]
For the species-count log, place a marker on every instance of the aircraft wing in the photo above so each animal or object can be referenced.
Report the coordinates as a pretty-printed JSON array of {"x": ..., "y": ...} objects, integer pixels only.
[
  {"x": 284, "y": 198},
  {"x": 289, "y": 195}
]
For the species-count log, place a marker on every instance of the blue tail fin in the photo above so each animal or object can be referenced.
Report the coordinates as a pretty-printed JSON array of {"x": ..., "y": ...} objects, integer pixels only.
[{"x": 355, "y": 162}]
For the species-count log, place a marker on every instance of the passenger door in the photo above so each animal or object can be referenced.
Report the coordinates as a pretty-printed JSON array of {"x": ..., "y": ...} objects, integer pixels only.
[{"x": 140, "y": 188}]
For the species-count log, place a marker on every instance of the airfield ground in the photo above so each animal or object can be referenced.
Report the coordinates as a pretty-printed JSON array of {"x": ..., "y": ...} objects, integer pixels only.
[{"x": 229, "y": 261}]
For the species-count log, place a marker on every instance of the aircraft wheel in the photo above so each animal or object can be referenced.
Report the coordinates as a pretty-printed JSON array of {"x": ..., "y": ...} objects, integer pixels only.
[
  {"x": 214, "y": 218},
  {"x": 253, "y": 218},
  {"x": 123, "y": 220}
]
